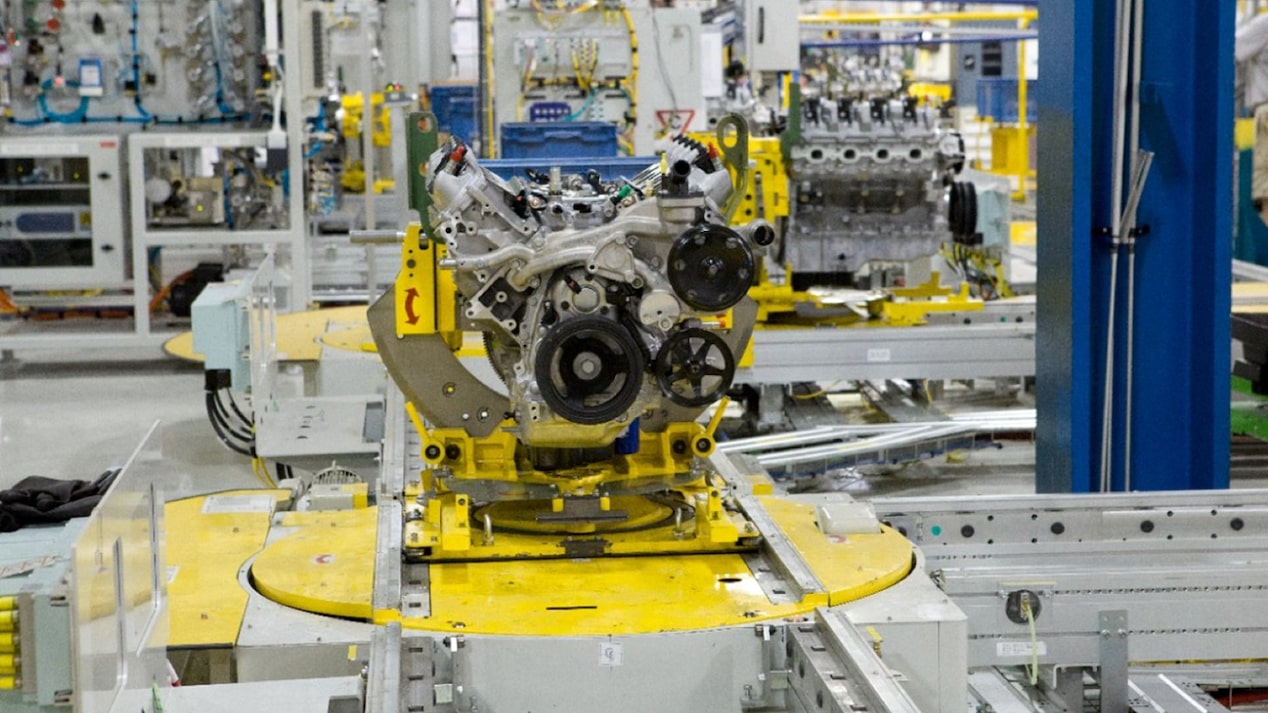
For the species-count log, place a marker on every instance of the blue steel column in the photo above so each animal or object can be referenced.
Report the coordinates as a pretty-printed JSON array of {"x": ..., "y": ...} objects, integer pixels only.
[{"x": 1181, "y": 384}]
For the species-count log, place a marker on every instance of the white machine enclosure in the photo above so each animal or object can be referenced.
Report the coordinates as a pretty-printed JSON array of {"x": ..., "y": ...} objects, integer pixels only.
[{"x": 61, "y": 212}]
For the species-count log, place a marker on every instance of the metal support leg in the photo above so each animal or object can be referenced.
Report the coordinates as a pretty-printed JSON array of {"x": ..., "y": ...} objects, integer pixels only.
[
  {"x": 770, "y": 406},
  {"x": 1069, "y": 688},
  {"x": 383, "y": 689},
  {"x": 1113, "y": 628}
]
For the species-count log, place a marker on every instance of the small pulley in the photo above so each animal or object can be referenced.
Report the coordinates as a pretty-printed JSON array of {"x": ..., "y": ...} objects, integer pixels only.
[
  {"x": 589, "y": 369},
  {"x": 711, "y": 267},
  {"x": 694, "y": 367},
  {"x": 962, "y": 212}
]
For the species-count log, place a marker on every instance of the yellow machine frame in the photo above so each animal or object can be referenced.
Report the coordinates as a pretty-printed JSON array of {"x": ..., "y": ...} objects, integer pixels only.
[{"x": 438, "y": 520}]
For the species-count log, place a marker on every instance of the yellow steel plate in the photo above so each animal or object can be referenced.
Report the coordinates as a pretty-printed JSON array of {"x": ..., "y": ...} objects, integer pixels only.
[
  {"x": 848, "y": 567},
  {"x": 326, "y": 567},
  {"x": 208, "y": 540},
  {"x": 1250, "y": 298},
  {"x": 299, "y": 335},
  {"x": 353, "y": 338},
  {"x": 1244, "y": 134},
  {"x": 1022, "y": 232}
]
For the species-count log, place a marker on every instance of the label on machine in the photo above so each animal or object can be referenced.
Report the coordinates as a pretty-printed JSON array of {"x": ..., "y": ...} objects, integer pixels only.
[{"x": 1019, "y": 648}]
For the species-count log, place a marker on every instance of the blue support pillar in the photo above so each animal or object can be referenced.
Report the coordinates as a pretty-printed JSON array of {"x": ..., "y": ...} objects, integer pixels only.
[{"x": 1180, "y": 430}]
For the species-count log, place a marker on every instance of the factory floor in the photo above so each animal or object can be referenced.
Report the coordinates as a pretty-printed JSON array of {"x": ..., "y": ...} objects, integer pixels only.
[{"x": 74, "y": 419}]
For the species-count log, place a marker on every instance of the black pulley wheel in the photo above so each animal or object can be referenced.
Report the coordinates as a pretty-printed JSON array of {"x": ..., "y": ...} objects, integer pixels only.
[
  {"x": 694, "y": 368},
  {"x": 962, "y": 213},
  {"x": 711, "y": 267},
  {"x": 589, "y": 369}
]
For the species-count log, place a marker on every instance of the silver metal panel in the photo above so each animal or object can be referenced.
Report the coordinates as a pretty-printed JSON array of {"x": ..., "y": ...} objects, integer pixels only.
[
  {"x": 383, "y": 687},
  {"x": 772, "y": 36},
  {"x": 310, "y": 695},
  {"x": 319, "y": 426},
  {"x": 991, "y": 691},
  {"x": 779, "y": 551},
  {"x": 1211, "y": 517},
  {"x": 872, "y": 677},
  {"x": 923, "y": 638},
  {"x": 1185, "y": 566},
  {"x": 387, "y": 556},
  {"x": 392, "y": 473},
  {"x": 698, "y": 672},
  {"x": 1169, "y": 692},
  {"x": 926, "y": 352},
  {"x": 1113, "y": 660}
]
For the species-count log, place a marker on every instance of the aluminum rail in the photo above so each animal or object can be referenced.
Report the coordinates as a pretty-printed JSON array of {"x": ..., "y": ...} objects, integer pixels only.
[
  {"x": 932, "y": 351},
  {"x": 832, "y": 442}
]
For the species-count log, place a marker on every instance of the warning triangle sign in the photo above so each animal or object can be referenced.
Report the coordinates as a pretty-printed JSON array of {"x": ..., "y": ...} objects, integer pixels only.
[{"x": 675, "y": 121}]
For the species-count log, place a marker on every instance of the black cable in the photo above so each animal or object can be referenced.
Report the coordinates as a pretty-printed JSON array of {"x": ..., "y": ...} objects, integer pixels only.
[
  {"x": 248, "y": 451},
  {"x": 222, "y": 418},
  {"x": 234, "y": 403},
  {"x": 232, "y": 439},
  {"x": 242, "y": 421}
]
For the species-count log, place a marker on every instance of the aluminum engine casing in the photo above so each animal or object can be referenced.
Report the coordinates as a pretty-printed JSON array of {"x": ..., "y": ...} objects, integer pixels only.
[
  {"x": 868, "y": 184},
  {"x": 557, "y": 272}
]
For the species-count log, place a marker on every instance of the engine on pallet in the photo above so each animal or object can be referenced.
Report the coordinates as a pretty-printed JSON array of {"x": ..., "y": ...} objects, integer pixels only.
[
  {"x": 599, "y": 300},
  {"x": 872, "y": 181}
]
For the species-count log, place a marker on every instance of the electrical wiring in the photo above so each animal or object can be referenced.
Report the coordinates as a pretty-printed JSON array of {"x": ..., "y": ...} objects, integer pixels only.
[
  {"x": 630, "y": 82},
  {"x": 978, "y": 269},
  {"x": 8, "y": 306},
  {"x": 1033, "y": 669},
  {"x": 80, "y": 115},
  {"x": 136, "y": 61},
  {"x": 233, "y": 403},
  {"x": 489, "y": 139},
  {"x": 823, "y": 391},
  {"x": 223, "y": 418},
  {"x": 236, "y": 431},
  {"x": 225, "y": 438},
  {"x": 560, "y": 9},
  {"x": 262, "y": 472},
  {"x": 164, "y": 293}
]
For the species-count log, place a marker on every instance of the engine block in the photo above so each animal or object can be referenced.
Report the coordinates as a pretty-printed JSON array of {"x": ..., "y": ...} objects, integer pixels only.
[
  {"x": 869, "y": 183},
  {"x": 599, "y": 301}
]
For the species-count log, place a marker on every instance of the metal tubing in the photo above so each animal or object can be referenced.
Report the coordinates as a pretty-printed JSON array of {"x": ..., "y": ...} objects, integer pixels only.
[
  {"x": 1107, "y": 403},
  {"x": 1122, "y": 56},
  {"x": 1138, "y": 17},
  {"x": 1128, "y": 358},
  {"x": 1013, "y": 37},
  {"x": 874, "y": 17}
]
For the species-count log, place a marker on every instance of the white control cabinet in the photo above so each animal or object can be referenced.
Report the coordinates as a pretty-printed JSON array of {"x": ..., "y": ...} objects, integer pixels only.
[{"x": 61, "y": 213}]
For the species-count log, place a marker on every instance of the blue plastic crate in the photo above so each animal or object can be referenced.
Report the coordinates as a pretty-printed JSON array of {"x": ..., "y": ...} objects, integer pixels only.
[
  {"x": 609, "y": 169},
  {"x": 457, "y": 109},
  {"x": 559, "y": 139},
  {"x": 997, "y": 98}
]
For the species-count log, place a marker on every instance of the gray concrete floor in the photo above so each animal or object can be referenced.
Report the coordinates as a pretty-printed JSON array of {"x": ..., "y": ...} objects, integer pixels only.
[{"x": 73, "y": 420}]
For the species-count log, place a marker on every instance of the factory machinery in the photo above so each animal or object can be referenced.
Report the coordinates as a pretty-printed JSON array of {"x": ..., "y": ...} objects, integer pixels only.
[
  {"x": 571, "y": 537},
  {"x": 873, "y": 179},
  {"x": 151, "y": 150},
  {"x": 148, "y": 149}
]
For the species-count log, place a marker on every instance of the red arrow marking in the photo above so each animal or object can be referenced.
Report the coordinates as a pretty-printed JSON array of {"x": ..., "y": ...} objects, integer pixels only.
[{"x": 410, "y": 295}]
